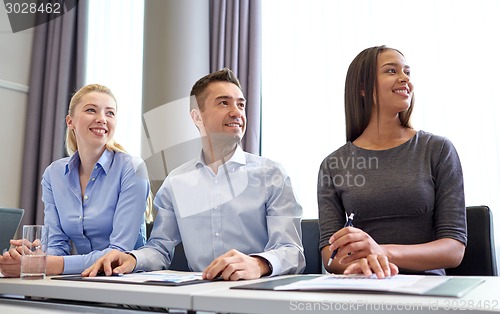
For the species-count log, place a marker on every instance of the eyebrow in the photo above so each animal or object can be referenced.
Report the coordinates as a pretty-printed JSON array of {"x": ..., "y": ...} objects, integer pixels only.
[
  {"x": 94, "y": 105},
  {"x": 229, "y": 97},
  {"x": 395, "y": 64}
]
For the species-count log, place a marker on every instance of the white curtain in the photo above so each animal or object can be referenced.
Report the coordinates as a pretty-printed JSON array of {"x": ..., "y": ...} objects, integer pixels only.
[
  {"x": 452, "y": 47},
  {"x": 114, "y": 59}
]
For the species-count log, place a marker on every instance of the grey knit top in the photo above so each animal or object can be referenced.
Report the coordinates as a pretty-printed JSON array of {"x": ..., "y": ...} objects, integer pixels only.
[{"x": 409, "y": 194}]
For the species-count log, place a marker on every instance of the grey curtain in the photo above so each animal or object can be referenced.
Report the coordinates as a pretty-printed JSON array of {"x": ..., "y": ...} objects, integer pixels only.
[
  {"x": 235, "y": 43},
  {"x": 57, "y": 71}
]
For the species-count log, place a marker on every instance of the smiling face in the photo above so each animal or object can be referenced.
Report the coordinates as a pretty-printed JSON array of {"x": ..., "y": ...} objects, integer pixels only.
[
  {"x": 223, "y": 112},
  {"x": 394, "y": 88},
  {"x": 93, "y": 120}
]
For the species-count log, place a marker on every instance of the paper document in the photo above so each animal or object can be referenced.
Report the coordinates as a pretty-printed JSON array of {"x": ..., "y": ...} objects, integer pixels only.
[
  {"x": 413, "y": 284},
  {"x": 151, "y": 277}
]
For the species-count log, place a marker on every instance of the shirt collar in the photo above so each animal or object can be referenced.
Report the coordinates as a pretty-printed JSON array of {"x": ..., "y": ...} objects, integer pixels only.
[
  {"x": 73, "y": 163},
  {"x": 238, "y": 157},
  {"x": 104, "y": 161}
]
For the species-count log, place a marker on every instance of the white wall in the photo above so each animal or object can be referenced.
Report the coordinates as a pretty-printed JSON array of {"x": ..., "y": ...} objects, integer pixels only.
[{"x": 15, "y": 56}]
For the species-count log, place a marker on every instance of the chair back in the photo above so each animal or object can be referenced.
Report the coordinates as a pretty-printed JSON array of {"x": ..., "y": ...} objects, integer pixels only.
[
  {"x": 179, "y": 262},
  {"x": 479, "y": 257},
  {"x": 310, "y": 242}
]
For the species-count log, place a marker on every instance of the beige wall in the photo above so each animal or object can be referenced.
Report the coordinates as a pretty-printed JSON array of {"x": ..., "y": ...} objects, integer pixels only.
[
  {"x": 176, "y": 39},
  {"x": 15, "y": 55}
]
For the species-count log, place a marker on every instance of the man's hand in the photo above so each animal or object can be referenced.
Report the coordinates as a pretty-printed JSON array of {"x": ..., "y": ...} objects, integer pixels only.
[
  {"x": 235, "y": 265},
  {"x": 115, "y": 262}
]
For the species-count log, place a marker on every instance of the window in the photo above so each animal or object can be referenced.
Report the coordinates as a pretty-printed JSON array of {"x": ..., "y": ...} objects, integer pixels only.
[
  {"x": 114, "y": 59},
  {"x": 451, "y": 47}
]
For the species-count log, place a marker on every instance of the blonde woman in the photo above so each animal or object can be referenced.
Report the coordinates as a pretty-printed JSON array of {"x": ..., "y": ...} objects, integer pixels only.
[{"x": 94, "y": 199}]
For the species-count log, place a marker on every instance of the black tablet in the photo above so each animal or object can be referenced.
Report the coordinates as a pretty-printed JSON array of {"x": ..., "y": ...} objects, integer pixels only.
[{"x": 10, "y": 218}]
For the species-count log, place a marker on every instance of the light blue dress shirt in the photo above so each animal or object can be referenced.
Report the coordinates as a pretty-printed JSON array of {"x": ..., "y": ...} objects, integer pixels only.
[
  {"x": 248, "y": 206},
  {"x": 110, "y": 216}
]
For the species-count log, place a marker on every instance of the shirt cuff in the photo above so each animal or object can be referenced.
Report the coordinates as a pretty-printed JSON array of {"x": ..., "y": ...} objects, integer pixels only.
[
  {"x": 139, "y": 261},
  {"x": 272, "y": 261},
  {"x": 73, "y": 264}
]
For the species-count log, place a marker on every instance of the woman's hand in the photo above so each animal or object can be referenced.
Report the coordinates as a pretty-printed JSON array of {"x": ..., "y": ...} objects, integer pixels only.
[
  {"x": 372, "y": 264},
  {"x": 354, "y": 244},
  {"x": 10, "y": 262}
]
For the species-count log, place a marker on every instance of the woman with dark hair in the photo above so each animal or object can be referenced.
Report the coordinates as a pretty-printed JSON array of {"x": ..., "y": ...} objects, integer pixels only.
[{"x": 404, "y": 186}]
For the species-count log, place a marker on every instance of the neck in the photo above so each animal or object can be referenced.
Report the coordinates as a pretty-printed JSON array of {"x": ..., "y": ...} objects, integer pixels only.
[
  {"x": 216, "y": 154},
  {"x": 88, "y": 159},
  {"x": 384, "y": 133}
]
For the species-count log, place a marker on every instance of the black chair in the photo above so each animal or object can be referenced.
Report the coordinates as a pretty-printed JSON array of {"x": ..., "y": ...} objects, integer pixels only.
[
  {"x": 179, "y": 262},
  {"x": 310, "y": 242},
  {"x": 479, "y": 258}
]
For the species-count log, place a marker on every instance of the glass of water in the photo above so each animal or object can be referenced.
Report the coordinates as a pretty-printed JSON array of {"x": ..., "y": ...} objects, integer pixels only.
[{"x": 34, "y": 251}]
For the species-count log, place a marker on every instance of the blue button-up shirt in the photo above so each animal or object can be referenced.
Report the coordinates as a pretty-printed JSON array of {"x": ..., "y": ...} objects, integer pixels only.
[
  {"x": 249, "y": 205},
  {"x": 110, "y": 215}
]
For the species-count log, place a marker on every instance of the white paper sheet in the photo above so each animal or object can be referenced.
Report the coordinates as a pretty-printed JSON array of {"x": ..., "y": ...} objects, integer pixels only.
[{"x": 413, "y": 284}]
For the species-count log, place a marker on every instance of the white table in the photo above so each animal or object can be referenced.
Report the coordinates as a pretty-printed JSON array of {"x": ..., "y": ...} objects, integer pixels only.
[{"x": 92, "y": 297}]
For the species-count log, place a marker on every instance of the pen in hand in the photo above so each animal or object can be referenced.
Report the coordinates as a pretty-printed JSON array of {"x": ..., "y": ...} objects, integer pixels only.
[{"x": 348, "y": 223}]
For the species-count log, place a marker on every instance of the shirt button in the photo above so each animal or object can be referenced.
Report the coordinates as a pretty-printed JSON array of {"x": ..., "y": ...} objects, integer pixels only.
[
  {"x": 216, "y": 181},
  {"x": 86, "y": 197},
  {"x": 217, "y": 234},
  {"x": 80, "y": 217},
  {"x": 95, "y": 167},
  {"x": 93, "y": 179}
]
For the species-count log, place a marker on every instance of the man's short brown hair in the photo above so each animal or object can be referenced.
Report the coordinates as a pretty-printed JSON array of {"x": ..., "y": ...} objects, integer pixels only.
[{"x": 199, "y": 88}]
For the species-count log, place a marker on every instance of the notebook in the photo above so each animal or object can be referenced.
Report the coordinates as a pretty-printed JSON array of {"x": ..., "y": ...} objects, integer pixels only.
[
  {"x": 10, "y": 218},
  {"x": 162, "y": 278}
]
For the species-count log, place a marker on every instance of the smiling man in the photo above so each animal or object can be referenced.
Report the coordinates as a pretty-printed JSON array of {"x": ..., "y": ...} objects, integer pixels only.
[{"x": 234, "y": 212}]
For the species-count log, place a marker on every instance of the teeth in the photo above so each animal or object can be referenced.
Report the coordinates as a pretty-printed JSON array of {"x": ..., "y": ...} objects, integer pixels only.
[
  {"x": 100, "y": 131},
  {"x": 401, "y": 91},
  {"x": 233, "y": 124}
]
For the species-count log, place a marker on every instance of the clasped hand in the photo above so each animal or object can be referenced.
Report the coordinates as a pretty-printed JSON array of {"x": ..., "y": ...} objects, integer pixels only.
[
  {"x": 10, "y": 261},
  {"x": 361, "y": 253}
]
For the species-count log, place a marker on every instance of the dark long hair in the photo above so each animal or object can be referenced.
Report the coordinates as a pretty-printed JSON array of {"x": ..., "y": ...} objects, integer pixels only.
[{"x": 360, "y": 86}]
